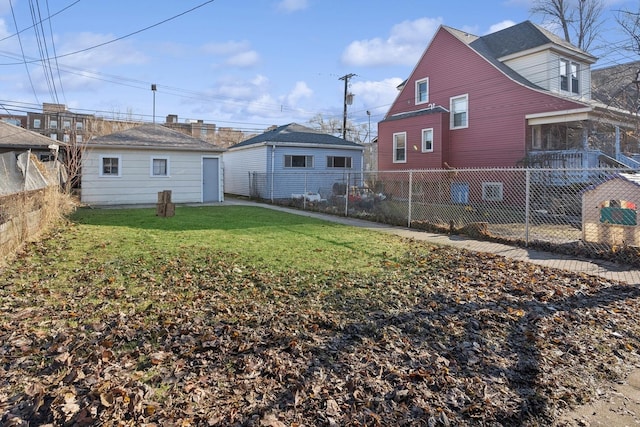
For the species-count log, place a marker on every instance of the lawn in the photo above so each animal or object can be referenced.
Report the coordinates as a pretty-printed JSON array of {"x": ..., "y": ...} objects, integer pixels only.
[{"x": 238, "y": 315}]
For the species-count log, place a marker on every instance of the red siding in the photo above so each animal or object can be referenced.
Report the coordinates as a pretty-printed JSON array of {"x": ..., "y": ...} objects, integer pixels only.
[{"x": 497, "y": 107}]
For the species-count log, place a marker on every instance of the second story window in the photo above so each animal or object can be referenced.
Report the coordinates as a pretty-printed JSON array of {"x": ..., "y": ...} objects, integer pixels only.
[
  {"x": 459, "y": 112},
  {"x": 66, "y": 124},
  {"x": 53, "y": 124},
  {"x": 78, "y": 125},
  {"x": 36, "y": 123},
  {"x": 569, "y": 80},
  {"x": 422, "y": 91}
]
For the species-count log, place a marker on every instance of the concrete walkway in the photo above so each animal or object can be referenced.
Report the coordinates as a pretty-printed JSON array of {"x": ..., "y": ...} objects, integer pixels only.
[{"x": 605, "y": 269}]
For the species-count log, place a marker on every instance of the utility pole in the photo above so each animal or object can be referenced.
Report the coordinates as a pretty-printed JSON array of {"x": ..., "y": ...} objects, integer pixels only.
[
  {"x": 347, "y": 98},
  {"x": 153, "y": 89}
]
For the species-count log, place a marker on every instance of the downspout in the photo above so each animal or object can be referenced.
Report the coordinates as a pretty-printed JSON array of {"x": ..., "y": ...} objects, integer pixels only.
[{"x": 273, "y": 164}]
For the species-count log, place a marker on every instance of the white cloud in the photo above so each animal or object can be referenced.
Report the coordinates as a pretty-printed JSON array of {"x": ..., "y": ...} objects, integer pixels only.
[
  {"x": 292, "y": 5},
  {"x": 501, "y": 26},
  {"x": 300, "y": 91},
  {"x": 244, "y": 59},
  {"x": 226, "y": 48},
  {"x": 404, "y": 45},
  {"x": 376, "y": 94}
]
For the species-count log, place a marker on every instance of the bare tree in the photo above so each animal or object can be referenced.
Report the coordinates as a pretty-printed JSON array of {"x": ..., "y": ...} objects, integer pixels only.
[
  {"x": 580, "y": 20},
  {"x": 630, "y": 23},
  {"x": 355, "y": 133}
]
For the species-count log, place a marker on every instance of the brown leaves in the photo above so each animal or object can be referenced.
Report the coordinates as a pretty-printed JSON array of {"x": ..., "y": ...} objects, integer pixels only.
[{"x": 440, "y": 337}]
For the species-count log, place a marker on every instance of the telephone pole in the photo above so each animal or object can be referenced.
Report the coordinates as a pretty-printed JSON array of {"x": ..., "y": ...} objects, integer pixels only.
[{"x": 348, "y": 98}]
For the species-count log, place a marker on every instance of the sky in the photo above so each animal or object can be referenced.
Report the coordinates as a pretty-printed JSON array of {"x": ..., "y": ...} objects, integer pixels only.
[{"x": 244, "y": 64}]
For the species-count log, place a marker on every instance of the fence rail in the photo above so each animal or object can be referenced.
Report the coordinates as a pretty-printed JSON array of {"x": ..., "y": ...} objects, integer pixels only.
[{"x": 576, "y": 208}]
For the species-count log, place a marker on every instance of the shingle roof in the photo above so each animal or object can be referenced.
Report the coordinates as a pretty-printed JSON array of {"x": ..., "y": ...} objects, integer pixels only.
[
  {"x": 294, "y": 133},
  {"x": 514, "y": 39},
  {"x": 153, "y": 136},
  {"x": 13, "y": 136}
]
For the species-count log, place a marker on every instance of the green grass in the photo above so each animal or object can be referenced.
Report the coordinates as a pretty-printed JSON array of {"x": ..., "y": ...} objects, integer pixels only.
[{"x": 256, "y": 237}]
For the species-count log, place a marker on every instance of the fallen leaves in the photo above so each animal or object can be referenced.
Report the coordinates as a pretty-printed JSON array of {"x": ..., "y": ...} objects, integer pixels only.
[{"x": 439, "y": 338}]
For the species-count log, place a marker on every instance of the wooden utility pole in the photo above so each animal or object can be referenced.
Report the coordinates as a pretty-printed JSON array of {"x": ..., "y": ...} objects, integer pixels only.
[{"x": 346, "y": 78}]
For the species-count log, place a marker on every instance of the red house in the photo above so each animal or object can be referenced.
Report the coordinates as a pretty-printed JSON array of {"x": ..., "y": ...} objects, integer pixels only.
[{"x": 517, "y": 97}]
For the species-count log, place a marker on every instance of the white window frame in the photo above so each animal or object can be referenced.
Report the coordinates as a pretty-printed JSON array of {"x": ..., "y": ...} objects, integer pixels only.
[
  {"x": 152, "y": 173},
  {"x": 101, "y": 166},
  {"x": 426, "y": 93},
  {"x": 79, "y": 138},
  {"x": 66, "y": 138},
  {"x": 487, "y": 191},
  {"x": 66, "y": 124},
  {"x": 536, "y": 137},
  {"x": 347, "y": 160},
  {"x": 396, "y": 136},
  {"x": 425, "y": 132},
  {"x": 79, "y": 125},
  {"x": 453, "y": 112},
  {"x": 570, "y": 72},
  {"x": 37, "y": 123},
  {"x": 53, "y": 136},
  {"x": 308, "y": 161},
  {"x": 53, "y": 124}
]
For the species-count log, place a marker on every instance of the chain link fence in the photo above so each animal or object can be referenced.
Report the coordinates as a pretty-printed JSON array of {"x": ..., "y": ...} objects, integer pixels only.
[{"x": 576, "y": 211}]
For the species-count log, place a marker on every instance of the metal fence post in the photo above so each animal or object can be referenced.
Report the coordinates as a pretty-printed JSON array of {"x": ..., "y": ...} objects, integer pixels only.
[
  {"x": 410, "y": 192},
  {"x": 527, "y": 206},
  {"x": 346, "y": 195}
]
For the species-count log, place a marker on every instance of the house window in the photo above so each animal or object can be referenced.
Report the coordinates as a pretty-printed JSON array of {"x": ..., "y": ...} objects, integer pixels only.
[
  {"x": 203, "y": 132},
  {"x": 66, "y": 124},
  {"x": 492, "y": 191},
  {"x": 422, "y": 91},
  {"x": 53, "y": 136},
  {"x": 160, "y": 166},
  {"x": 66, "y": 138},
  {"x": 36, "y": 123},
  {"x": 78, "y": 139},
  {"x": 78, "y": 125},
  {"x": 459, "y": 109},
  {"x": 536, "y": 137},
  {"x": 53, "y": 124},
  {"x": 338, "y": 162},
  {"x": 110, "y": 166},
  {"x": 400, "y": 147},
  {"x": 298, "y": 161},
  {"x": 427, "y": 140},
  {"x": 569, "y": 81}
]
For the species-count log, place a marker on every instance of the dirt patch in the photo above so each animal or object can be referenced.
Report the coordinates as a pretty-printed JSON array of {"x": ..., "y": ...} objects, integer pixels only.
[{"x": 618, "y": 404}]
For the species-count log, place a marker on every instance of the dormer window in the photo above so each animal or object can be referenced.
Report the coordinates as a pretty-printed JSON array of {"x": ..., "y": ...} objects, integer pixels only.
[
  {"x": 422, "y": 91},
  {"x": 569, "y": 81}
]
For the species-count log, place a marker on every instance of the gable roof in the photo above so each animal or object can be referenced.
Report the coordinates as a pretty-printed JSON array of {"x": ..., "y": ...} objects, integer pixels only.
[
  {"x": 295, "y": 134},
  {"x": 525, "y": 36},
  {"x": 522, "y": 37},
  {"x": 153, "y": 136},
  {"x": 16, "y": 137}
]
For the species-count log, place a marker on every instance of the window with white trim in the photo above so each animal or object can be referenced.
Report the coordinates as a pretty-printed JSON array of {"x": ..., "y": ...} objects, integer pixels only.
[
  {"x": 291, "y": 161},
  {"x": 338, "y": 162},
  {"x": 400, "y": 147},
  {"x": 53, "y": 124},
  {"x": 427, "y": 140},
  {"x": 36, "y": 123},
  {"x": 66, "y": 137},
  {"x": 66, "y": 124},
  {"x": 569, "y": 80},
  {"x": 159, "y": 166},
  {"x": 492, "y": 191},
  {"x": 110, "y": 166},
  {"x": 459, "y": 112},
  {"x": 422, "y": 91},
  {"x": 78, "y": 125},
  {"x": 78, "y": 138}
]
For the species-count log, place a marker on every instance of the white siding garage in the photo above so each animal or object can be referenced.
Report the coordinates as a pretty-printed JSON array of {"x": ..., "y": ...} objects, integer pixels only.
[{"x": 131, "y": 167}]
